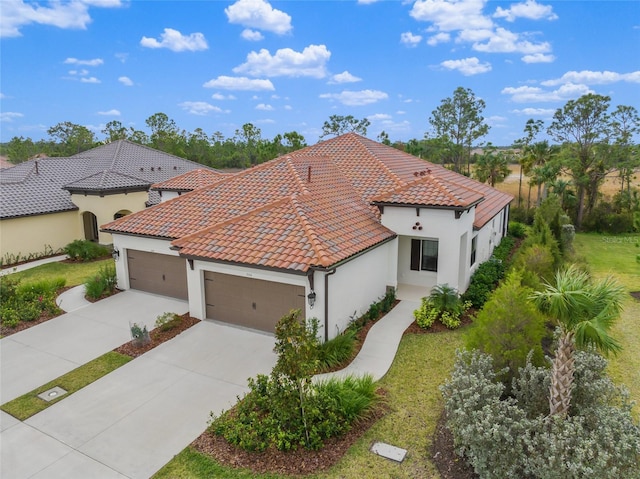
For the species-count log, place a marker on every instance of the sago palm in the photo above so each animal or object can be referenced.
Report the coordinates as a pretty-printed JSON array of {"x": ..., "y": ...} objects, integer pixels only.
[{"x": 584, "y": 311}]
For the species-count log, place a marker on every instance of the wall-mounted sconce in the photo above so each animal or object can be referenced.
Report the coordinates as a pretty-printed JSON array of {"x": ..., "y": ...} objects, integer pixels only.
[
  {"x": 115, "y": 253},
  {"x": 311, "y": 298}
]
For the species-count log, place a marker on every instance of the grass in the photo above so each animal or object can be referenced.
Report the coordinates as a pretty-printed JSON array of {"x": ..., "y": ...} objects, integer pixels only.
[
  {"x": 74, "y": 273},
  {"x": 423, "y": 363},
  {"x": 616, "y": 255},
  {"x": 29, "y": 404}
]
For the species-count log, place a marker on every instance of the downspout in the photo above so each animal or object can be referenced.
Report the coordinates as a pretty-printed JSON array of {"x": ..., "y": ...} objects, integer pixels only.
[{"x": 326, "y": 303}]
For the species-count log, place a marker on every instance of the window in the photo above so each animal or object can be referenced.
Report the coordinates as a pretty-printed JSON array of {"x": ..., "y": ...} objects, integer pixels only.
[
  {"x": 424, "y": 255},
  {"x": 474, "y": 246}
]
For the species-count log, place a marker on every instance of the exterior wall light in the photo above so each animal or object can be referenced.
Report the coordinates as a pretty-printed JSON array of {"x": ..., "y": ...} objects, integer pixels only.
[
  {"x": 115, "y": 253},
  {"x": 311, "y": 298}
]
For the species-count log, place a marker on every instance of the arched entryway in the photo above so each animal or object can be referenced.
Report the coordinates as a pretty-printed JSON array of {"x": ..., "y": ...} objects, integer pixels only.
[
  {"x": 121, "y": 213},
  {"x": 90, "y": 224}
]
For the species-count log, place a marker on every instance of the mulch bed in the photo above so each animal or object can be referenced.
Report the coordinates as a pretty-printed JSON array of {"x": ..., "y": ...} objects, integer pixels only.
[
  {"x": 292, "y": 463},
  {"x": 635, "y": 294},
  {"x": 22, "y": 325},
  {"x": 449, "y": 464},
  {"x": 157, "y": 337}
]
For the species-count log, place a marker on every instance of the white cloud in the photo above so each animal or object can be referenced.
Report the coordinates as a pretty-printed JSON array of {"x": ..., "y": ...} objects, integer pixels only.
[
  {"x": 529, "y": 9},
  {"x": 588, "y": 77},
  {"x": 260, "y": 15},
  {"x": 379, "y": 117},
  {"x": 356, "y": 98},
  {"x": 75, "y": 14},
  {"x": 466, "y": 17},
  {"x": 82, "y": 72},
  {"x": 2, "y": 96},
  {"x": 110, "y": 113},
  {"x": 441, "y": 37},
  {"x": 9, "y": 116},
  {"x": 198, "y": 107},
  {"x": 288, "y": 107},
  {"x": 344, "y": 77},
  {"x": 123, "y": 57},
  {"x": 451, "y": 16},
  {"x": 91, "y": 63},
  {"x": 310, "y": 62},
  {"x": 264, "y": 107},
  {"x": 526, "y": 94},
  {"x": 126, "y": 81},
  {"x": 239, "y": 83},
  {"x": 89, "y": 80},
  {"x": 538, "y": 58},
  {"x": 252, "y": 35},
  {"x": 467, "y": 66},
  {"x": 410, "y": 39},
  {"x": 367, "y": 2},
  {"x": 505, "y": 41},
  {"x": 176, "y": 41},
  {"x": 535, "y": 112},
  {"x": 220, "y": 96}
]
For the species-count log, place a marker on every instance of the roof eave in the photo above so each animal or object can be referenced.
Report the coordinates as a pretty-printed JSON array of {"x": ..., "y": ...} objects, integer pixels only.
[{"x": 105, "y": 191}]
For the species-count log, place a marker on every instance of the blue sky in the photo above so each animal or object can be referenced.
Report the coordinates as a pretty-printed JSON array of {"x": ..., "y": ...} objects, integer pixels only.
[{"x": 288, "y": 65}]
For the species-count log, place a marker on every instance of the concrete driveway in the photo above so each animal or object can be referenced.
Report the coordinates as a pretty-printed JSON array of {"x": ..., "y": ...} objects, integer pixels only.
[{"x": 131, "y": 422}]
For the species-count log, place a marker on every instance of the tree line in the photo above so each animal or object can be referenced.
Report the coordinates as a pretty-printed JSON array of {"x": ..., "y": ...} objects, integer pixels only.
[{"x": 591, "y": 141}]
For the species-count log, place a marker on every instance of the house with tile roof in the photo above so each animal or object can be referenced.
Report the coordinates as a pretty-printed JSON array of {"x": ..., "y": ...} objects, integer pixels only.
[
  {"x": 46, "y": 203},
  {"x": 326, "y": 229}
]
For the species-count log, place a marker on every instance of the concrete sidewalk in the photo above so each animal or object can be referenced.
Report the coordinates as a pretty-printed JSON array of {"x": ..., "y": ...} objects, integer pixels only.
[
  {"x": 32, "y": 264},
  {"x": 380, "y": 346}
]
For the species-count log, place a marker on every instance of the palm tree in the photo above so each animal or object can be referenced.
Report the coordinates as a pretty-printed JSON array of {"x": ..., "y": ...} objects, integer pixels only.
[{"x": 584, "y": 311}]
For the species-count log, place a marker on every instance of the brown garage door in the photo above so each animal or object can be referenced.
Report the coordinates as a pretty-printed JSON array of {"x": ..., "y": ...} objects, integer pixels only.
[
  {"x": 157, "y": 273},
  {"x": 250, "y": 302}
]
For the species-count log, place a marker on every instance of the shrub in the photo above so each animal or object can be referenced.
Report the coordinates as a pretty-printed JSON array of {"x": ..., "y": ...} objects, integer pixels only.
[
  {"x": 483, "y": 281},
  {"x": 511, "y": 438},
  {"x": 537, "y": 265},
  {"x": 426, "y": 314},
  {"x": 336, "y": 351},
  {"x": 508, "y": 327},
  {"x": 27, "y": 301},
  {"x": 521, "y": 215},
  {"x": 503, "y": 250},
  {"x": 443, "y": 304},
  {"x": 387, "y": 302},
  {"x": 103, "y": 283},
  {"x": 286, "y": 410},
  {"x": 517, "y": 230},
  {"x": 167, "y": 321},
  {"x": 85, "y": 250},
  {"x": 541, "y": 234}
]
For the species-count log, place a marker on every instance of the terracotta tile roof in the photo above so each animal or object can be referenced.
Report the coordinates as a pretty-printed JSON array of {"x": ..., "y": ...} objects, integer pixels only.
[
  {"x": 310, "y": 208},
  {"x": 189, "y": 181},
  {"x": 427, "y": 190},
  {"x": 319, "y": 227}
]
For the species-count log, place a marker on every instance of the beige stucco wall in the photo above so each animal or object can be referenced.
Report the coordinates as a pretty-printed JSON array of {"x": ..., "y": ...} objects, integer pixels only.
[
  {"x": 104, "y": 207},
  {"x": 36, "y": 234}
]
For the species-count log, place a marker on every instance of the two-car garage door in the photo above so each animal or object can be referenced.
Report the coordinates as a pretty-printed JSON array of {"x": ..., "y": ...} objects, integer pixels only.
[
  {"x": 249, "y": 302},
  {"x": 157, "y": 273}
]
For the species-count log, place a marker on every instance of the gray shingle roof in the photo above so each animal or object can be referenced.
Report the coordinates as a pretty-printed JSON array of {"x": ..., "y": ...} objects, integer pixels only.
[
  {"x": 36, "y": 186},
  {"x": 107, "y": 181}
]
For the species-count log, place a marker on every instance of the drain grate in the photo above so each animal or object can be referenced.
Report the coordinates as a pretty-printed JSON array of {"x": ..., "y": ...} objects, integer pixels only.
[{"x": 53, "y": 393}]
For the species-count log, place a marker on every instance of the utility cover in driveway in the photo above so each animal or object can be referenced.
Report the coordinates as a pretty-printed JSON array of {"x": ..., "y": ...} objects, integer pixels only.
[
  {"x": 250, "y": 302},
  {"x": 158, "y": 273}
]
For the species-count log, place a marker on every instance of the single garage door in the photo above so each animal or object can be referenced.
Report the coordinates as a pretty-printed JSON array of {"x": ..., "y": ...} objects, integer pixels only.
[
  {"x": 157, "y": 273},
  {"x": 250, "y": 302}
]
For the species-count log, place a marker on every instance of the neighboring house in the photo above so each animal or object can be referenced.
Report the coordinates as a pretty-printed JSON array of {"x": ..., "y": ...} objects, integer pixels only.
[
  {"x": 46, "y": 203},
  {"x": 193, "y": 180},
  {"x": 326, "y": 229}
]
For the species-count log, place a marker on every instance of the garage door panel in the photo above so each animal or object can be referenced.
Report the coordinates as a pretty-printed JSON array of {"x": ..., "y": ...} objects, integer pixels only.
[
  {"x": 157, "y": 273},
  {"x": 250, "y": 302}
]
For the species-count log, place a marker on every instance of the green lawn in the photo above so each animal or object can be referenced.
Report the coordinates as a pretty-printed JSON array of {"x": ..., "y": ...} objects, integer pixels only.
[
  {"x": 422, "y": 364},
  {"x": 74, "y": 273},
  {"x": 616, "y": 255},
  {"x": 27, "y": 405}
]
